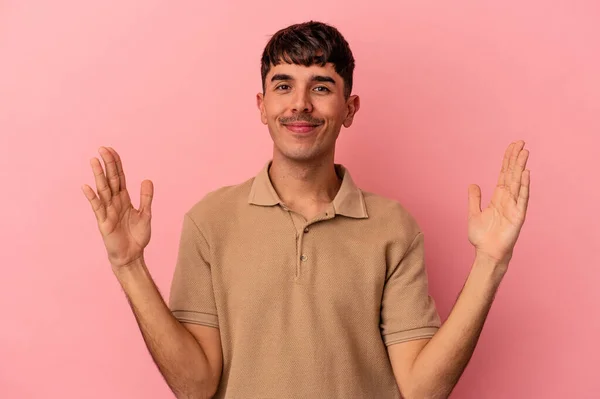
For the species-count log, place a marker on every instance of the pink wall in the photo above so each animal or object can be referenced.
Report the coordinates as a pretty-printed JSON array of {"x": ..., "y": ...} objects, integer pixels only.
[{"x": 171, "y": 86}]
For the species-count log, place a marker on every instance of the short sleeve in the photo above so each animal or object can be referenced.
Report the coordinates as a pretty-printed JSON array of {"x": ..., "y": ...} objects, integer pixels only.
[
  {"x": 191, "y": 298},
  {"x": 408, "y": 312}
]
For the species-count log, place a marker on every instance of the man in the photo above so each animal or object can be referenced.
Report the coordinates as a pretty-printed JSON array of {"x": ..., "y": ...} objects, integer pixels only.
[{"x": 296, "y": 283}]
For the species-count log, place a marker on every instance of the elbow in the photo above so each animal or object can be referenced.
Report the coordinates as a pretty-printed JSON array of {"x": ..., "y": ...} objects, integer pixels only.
[{"x": 432, "y": 387}]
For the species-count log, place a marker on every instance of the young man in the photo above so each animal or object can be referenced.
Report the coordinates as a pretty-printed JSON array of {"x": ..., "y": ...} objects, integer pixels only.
[{"x": 296, "y": 283}]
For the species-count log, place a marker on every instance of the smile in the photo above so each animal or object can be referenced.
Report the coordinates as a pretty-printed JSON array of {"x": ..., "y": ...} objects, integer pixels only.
[{"x": 301, "y": 128}]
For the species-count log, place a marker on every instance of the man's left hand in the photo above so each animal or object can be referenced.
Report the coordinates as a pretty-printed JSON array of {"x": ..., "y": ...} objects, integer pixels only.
[{"x": 495, "y": 230}]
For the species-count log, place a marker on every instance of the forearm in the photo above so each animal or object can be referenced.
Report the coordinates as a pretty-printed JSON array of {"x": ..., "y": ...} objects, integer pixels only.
[
  {"x": 442, "y": 361},
  {"x": 178, "y": 355}
]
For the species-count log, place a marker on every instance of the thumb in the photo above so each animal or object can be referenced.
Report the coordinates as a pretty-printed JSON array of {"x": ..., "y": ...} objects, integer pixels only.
[
  {"x": 474, "y": 200},
  {"x": 146, "y": 194}
]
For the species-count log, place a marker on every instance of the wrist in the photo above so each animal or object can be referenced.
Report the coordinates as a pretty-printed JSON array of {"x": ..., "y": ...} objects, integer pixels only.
[
  {"x": 492, "y": 261},
  {"x": 492, "y": 267},
  {"x": 130, "y": 268}
]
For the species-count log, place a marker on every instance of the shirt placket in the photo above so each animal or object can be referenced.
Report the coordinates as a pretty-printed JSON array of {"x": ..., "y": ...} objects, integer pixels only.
[{"x": 303, "y": 228}]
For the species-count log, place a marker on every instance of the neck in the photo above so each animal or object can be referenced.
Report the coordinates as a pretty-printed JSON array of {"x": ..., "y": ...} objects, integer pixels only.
[{"x": 304, "y": 183}]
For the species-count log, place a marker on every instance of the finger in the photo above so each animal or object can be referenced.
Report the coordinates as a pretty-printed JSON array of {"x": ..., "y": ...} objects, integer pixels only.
[
  {"x": 474, "y": 200},
  {"x": 505, "y": 162},
  {"x": 112, "y": 176},
  {"x": 511, "y": 176},
  {"x": 101, "y": 183},
  {"x": 523, "y": 199},
  {"x": 517, "y": 174},
  {"x": 97, "y": 205},
  {"x": 501, "y": 187},
  {"x": 146, "y": 195},
  {"x": 120, "y": 171}
]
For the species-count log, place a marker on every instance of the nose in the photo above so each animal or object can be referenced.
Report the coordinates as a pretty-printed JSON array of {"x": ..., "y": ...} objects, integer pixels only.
[{"x": 302, "y": 102}]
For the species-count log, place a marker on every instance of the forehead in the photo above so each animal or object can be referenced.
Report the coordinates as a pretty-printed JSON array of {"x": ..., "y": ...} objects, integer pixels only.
[{"x": 301, "y": 72}]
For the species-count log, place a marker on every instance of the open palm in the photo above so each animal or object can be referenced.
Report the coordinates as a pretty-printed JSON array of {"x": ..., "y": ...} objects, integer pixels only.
[
  {"x": 124, "y": 229},
  {"x": 495, "y": 230}
]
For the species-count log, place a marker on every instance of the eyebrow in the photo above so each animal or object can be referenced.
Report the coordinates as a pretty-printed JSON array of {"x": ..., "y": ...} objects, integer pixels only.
[{"x": 314, "y": 78}]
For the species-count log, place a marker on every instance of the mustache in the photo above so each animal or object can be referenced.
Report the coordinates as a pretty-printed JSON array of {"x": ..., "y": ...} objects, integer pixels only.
[{"x": 301, "y": 118}]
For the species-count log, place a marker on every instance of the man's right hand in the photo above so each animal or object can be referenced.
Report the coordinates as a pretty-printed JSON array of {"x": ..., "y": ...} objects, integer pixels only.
[{"x": 125, "y": 230}]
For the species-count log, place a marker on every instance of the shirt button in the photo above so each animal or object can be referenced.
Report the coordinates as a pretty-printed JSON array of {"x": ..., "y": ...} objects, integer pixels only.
[
  {"x": 304, "y": 258},
  {"x": 306, "y": 229}
]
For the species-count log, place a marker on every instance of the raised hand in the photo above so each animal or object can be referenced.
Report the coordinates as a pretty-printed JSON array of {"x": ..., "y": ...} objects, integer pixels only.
[
  {"x": 125, "y": 230},
  {"x": 495, "y": 230}
]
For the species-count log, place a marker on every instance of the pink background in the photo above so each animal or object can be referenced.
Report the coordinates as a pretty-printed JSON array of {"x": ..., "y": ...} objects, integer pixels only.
[{"x": 171, "y": 85}]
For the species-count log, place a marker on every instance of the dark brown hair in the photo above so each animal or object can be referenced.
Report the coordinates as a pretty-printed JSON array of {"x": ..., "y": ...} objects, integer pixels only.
[{"x": 307, "y": 44}]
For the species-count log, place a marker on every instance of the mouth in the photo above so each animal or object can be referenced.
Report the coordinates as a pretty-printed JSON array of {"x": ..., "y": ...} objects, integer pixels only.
[{"x": 301, "y": 127}]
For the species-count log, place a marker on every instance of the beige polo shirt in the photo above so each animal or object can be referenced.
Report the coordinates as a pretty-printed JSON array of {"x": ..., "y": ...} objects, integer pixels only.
[{"x": 305, "y": 308}]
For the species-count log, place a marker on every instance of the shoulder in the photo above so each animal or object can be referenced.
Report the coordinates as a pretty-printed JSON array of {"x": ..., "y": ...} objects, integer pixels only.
[
  {"x": 391, "y": 215},
  {"x": 220, "y": 203}
]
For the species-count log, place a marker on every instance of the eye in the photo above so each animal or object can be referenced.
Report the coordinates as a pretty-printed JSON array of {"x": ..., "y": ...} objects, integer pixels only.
[
  {"x": 322, "y": 89},
  {"x": 282, "y": 87}
]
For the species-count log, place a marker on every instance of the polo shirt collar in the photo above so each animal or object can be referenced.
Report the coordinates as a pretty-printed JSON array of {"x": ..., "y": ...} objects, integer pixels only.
[{"x": 349, "y": 200}]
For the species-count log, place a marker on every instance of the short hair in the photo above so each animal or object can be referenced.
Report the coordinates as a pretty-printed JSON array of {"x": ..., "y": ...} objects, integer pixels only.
[{"x": 307, "y": 44}]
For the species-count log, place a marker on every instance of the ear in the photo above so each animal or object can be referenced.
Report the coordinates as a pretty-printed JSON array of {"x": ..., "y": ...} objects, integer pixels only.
[
  {"x": 352, "y": 105},
  {"x": 260, "y": 104}
]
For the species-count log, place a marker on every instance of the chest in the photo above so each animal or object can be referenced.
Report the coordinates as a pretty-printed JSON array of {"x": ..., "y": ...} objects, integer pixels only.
[{"x": 329, "y": 264}]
